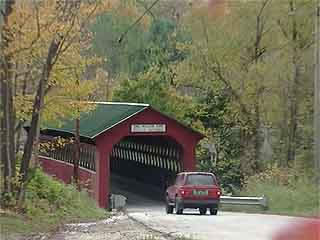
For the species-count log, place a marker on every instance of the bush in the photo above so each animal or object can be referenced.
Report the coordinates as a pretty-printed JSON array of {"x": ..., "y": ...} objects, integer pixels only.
[
  {"x": 48, "y": 197},
  {"x": 48, "y": 204},
  {"x": 289, "y": 191}
]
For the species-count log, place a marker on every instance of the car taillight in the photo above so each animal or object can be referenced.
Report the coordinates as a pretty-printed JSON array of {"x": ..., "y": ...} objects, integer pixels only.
[
  {"x": 215, "y": 193},
  {"x": 183, "y": 192}
]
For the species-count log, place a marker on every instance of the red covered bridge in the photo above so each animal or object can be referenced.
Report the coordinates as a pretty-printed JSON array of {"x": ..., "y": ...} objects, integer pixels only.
[{"x": 130, "y": 139}]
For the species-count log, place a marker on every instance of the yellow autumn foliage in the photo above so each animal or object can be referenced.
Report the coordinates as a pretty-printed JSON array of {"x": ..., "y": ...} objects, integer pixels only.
[{"x": 33, "y": 27}]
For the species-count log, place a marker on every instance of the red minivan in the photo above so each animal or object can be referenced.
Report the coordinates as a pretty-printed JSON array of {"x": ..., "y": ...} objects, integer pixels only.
[{"x": 193, "y": 190}]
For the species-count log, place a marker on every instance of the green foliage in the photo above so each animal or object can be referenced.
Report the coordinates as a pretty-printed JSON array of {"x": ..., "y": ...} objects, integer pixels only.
[
  {"x": 13, "y": 223},
  {"x": 153, "y": 80},
  {"x": 48, "y": 204},
  {"x": 212, "y": 109},
  {"x": 164, "y": 36},
  {"x": 127, "y": 56},
  {"x": 141, "y": 47},
  {"x": 48, "y": 197},
  {"x": 153, "y": 87},
  {"x": 289, "y": 191},
  {"x": 8, "y": 199},
  {"x": 226, "y": 56}
]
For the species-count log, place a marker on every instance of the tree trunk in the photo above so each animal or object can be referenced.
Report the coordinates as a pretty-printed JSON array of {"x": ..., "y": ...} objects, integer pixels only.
[
  {"x": 284, "y": 128},
  {"x": 12, "y": 123},
  {"x": 293, "y": 117},
  {"x": 256, "y": 134},
  {"x": 258, "y": 52},
  {"x": 316, "y": 115},
  {"x": 3, "y": 186},
  {"x": 7, "y": 134},
  {"x": 33, "y": 136},
  {"x": 294, "y": 91}
]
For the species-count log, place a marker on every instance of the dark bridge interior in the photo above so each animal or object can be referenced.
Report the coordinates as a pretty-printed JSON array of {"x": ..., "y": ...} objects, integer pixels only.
[{"x": 153, "y": 160}]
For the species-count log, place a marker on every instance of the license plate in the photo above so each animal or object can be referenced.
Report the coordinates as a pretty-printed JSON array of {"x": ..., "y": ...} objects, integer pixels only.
[{"x": 200, "y": 192}]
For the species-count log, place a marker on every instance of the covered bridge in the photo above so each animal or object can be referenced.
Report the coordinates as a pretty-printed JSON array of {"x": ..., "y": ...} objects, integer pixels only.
[{"x": 130, "y": 139}]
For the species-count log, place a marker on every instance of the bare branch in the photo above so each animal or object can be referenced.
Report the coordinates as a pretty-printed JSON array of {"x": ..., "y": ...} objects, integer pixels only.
[
  {"x": 217, "y": 70},
  {"x": 264, "y": 4},
  {"x": 146, "y": 8},
  {"x": 62, "y": 50},
  {"x": 283, "y": 30}
]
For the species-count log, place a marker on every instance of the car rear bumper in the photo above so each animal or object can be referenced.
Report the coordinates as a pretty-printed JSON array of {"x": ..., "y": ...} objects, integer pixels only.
[{"x": 212, "y": 203}]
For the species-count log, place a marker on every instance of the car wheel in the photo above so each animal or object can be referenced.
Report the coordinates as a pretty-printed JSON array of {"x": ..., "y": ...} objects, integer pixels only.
[
  {"x": 213, "y": 211},
  {"x": 179, "y": 209},
  {"x": 203, "y": 211},
  {"x": 169, "y": 208}
]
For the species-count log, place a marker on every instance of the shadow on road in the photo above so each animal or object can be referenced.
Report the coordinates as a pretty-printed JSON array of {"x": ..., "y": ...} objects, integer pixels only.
[{"x": 139, "y": 195}]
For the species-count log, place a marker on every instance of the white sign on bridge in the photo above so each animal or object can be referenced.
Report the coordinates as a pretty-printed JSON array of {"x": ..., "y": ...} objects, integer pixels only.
[{"x": 141, "y": 128}]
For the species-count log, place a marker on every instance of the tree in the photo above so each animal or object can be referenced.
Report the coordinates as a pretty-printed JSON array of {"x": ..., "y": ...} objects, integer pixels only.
[
  {"x": 129, "y": 55},
  {"x": 7, "y": 119},
  {"x": 152, "y": 41},
  {"x": 49, "y": 53},
  {"x": 142, "y": 89},
  {"x": 222, "y": 132},
  {"x": 161, "y": 53},
  {"x": 236, "y": 53},
  {"x": 296, "y": 30}
]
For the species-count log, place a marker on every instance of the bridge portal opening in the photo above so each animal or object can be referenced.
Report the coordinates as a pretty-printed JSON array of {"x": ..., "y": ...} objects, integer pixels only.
[{"x": 144, "y": 165}]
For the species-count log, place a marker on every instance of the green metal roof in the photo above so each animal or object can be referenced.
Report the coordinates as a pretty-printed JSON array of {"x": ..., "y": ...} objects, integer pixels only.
[{"x": 103, "y": 117}]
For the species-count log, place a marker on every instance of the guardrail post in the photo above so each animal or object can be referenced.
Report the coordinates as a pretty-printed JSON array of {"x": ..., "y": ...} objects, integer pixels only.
[{"x": 264, "y": 203}]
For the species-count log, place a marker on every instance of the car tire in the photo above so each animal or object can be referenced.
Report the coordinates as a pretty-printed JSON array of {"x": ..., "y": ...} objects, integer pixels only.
[
  {"x": 203, "y": 211},
  {"x": 169, "y": 208},
  {"x": 179, "y": 209},
  {"x": 213, "y": 211}
]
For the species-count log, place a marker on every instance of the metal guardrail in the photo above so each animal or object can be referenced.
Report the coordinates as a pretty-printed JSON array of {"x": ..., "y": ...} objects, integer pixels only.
[{"x": 258, "y": 201}]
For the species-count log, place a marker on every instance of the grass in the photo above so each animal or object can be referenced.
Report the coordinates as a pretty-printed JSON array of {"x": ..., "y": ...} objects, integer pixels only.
[
  {"x": 12, "y": 224},
  {"x": 301, "y": 200},
  {"x": 49, "y": 203},
  {"x": 287, "y": 194}
]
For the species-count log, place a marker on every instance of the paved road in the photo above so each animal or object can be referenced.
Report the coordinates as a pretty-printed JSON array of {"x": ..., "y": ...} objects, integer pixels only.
[
  {"x": 227, "y": 225},
  {"x": 224, "y": 226}
]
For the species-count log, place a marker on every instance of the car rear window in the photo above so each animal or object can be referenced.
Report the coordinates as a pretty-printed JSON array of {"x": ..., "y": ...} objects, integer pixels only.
[{"x": 200, "y": 179}]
